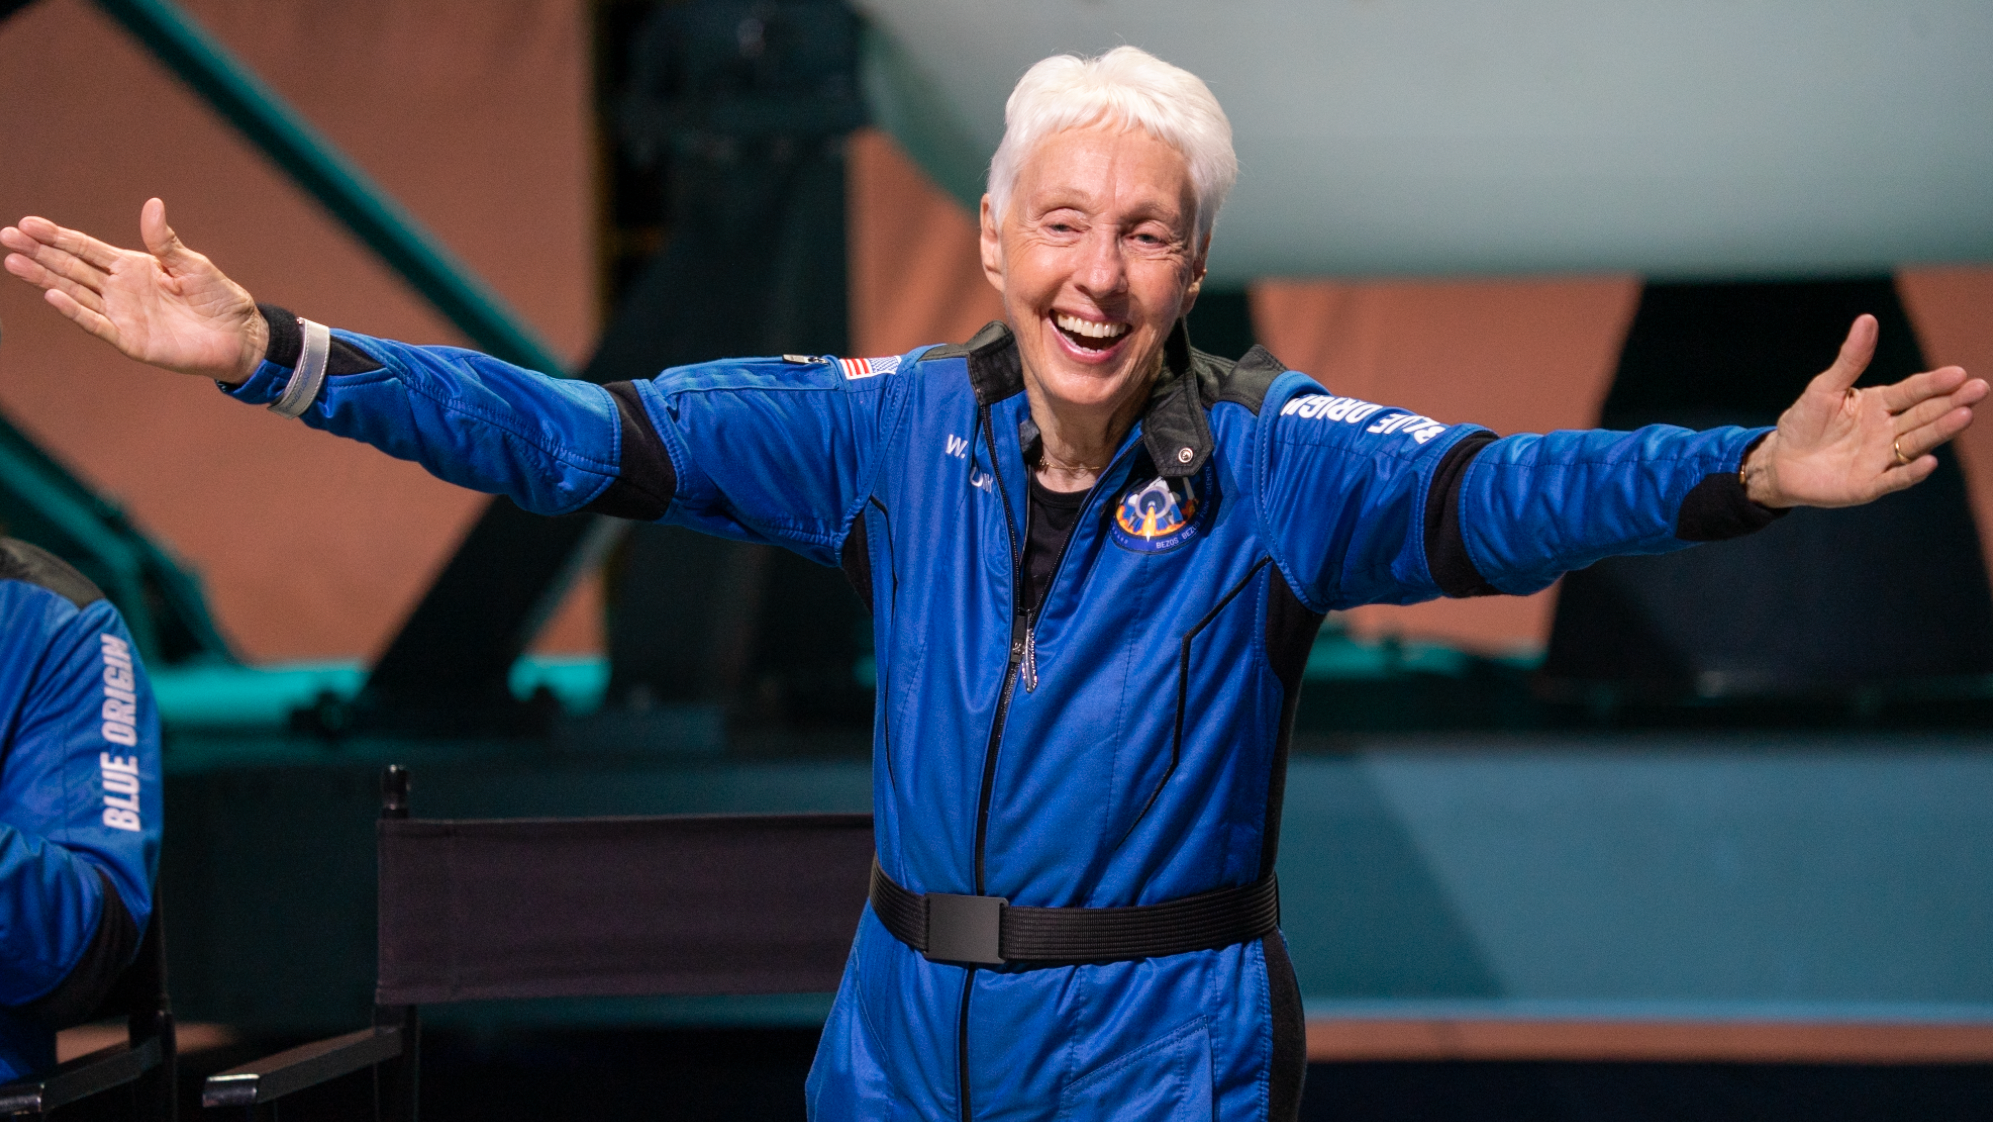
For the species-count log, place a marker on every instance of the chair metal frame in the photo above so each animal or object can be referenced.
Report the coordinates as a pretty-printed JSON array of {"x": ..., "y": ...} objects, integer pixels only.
[
  {"x": 393, "y": 1042},
  {"x": 702, "y": 904},
  {"x": 146, "y": 1061}
]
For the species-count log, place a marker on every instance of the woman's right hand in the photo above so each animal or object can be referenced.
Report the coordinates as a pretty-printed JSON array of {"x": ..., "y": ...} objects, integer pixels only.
[{"x": 166, "y": 306}]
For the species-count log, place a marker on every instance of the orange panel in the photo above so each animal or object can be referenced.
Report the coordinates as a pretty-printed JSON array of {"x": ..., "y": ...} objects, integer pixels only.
[
  {"x": 1952, "y": 310},
  {"x": 916, "y": 273},
  {"x": 473, "y": 113},
  {"x": 1516, "y": 356}
]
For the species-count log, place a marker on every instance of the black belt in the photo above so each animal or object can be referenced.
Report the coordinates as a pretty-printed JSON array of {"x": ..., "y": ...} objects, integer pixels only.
[{"x": 989, "y": 930}]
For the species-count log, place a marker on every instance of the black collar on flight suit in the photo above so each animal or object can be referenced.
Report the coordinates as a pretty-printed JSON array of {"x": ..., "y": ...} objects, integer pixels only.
[{"x": 1175, "y": 429}]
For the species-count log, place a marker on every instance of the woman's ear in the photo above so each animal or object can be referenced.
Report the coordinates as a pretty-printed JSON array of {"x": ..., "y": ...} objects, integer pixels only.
[
  {"x": 992, "y": 247},
  {"x": 1196, "y": 277}
]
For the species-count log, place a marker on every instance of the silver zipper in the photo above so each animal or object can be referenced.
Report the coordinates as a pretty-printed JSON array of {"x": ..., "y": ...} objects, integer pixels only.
[{"x": 1030, "y": 670}]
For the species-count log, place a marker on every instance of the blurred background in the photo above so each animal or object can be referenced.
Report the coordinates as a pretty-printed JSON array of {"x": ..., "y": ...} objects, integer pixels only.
[{"x": 1697, "y": 836}]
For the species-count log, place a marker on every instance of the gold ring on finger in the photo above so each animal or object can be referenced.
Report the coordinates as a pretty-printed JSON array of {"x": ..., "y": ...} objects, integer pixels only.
[{"x": 1901, "y": 459}]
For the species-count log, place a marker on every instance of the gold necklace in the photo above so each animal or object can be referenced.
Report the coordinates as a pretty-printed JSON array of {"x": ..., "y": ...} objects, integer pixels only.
[{"x": 1049, "y": 462}]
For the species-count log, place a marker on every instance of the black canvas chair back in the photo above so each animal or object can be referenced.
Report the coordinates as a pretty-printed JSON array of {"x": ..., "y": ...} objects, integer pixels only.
[
  {"x": 733, "y": 904},
  {"x": 583, "y": 907},
  {"x": 141, "y": 1069}
]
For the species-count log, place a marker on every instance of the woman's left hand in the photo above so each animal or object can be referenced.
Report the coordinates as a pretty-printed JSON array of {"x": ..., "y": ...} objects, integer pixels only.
[{"x": 1840, "y": 446}]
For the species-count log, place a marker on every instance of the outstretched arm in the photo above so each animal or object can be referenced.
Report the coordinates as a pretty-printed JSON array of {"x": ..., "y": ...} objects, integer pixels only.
[
  {"x": 1840, "y": 446},
  {"x": 1532, "y": 507},
  {"x": 768, "y": 449},
  {"x": 1421, "y": 509},
  {"x": 550, "y": 445},
  {"x": 166, "y": 306}
]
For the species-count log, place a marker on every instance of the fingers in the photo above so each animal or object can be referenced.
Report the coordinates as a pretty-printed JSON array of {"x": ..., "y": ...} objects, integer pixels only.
[
  {"x": 1909, "y": 475},
  {"x": 1856, "y": 350},
  {"x": 1926, "y": 438},
  {"x": 88, "y": 319},
  {"x": 160, "y": 240},
  {"x": 61, "y": 273},
  {"x": 62, "y": 262},
  {"x": 73, "y": 242},
  {"x": 1929, "y": 409},
  {"x": 1921, "y": 387},
  {"x": 40, "y": 260},
  {"x": 84, "y": 292}
]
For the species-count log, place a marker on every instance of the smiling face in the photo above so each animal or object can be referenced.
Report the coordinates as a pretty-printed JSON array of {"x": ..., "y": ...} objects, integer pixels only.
[{"x": 1095, "y": 262}]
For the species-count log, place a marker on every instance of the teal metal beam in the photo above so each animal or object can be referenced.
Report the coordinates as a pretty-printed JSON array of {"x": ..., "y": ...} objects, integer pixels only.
[
  {"x": 117, "y": 564},
  {"x": 314, "y": 163},
  {"x": 42, "y": 501}
]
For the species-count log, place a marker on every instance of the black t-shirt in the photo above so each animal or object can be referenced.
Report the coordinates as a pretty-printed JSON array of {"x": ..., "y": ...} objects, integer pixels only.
[{"x": 1049, "y": 522}]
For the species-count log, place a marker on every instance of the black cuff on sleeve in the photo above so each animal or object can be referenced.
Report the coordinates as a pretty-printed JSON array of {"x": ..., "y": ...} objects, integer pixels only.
[
  {"x": 1446, "y": 548},
  {"x": 286, "y": 337},
  {"x": 645, "y": 479},
  {"x": 287, "y": 343},
  {"x": 111, "y": 949},
  {"x": 1717, "y": 509}
]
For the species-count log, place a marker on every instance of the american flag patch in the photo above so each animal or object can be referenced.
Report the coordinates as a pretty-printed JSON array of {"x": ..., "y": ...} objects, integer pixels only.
[{"x": 868, "y": 367}]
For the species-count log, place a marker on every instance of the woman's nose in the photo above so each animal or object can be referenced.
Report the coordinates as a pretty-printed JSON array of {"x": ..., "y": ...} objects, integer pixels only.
[{"x": 1101, "y": 270}]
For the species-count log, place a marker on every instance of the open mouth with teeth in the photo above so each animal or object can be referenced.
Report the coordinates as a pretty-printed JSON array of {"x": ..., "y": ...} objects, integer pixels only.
[{"x": 1089, "y": 336}]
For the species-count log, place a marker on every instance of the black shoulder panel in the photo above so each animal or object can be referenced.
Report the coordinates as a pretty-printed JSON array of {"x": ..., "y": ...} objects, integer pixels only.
[
  {"x": 996, "y": 370},
  {"x": 1250, "y": 377},
  {"x": 31, "y": 564},
  {"x": 1211, "y": 372},
  {"x": 994, "y": 333},
  {"x": 1446, "y": 547},
  {"x": 645, "y": 480}
]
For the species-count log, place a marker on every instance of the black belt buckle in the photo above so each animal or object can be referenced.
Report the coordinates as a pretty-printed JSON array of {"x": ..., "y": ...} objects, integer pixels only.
[{"x": 965, "y": 929}]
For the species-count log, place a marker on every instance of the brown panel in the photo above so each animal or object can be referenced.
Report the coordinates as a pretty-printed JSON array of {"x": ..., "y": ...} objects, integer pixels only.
[
  {"x": 473, "y": 113},
  {"x": 916, "y": 274},
  {"x": 189, "y": 1037},
  {"x": 1516, "y": 356},
  {"x": 1778, "y": 1042},
  {"x": 1952, "y": 310}
]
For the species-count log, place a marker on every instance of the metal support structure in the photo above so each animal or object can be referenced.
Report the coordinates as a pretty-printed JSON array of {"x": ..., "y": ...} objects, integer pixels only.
[
  {"x": 742, "y": 107},
  {"x": 315, "y": 164},
  {"x": 41, "y": 501},
  {"x": 777, "y": 89},
  {"x": 54, "y": 509},
  {"x": 328, "y": 175}
]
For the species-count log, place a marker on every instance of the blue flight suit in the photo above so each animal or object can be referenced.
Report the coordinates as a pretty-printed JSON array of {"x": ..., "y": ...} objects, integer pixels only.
[
  {"x": 1124, "y": 744},
  {"x": 80, "y": 806}
]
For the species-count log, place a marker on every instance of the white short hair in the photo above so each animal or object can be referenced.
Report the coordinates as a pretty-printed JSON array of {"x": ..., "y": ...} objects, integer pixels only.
[{"x": 1130, "y": 86}]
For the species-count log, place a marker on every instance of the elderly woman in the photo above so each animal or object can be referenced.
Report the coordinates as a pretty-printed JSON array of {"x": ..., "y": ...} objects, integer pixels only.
[{"x": 1095, "y": 560}]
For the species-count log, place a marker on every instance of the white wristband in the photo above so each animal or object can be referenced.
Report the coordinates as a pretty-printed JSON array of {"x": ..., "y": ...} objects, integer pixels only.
[{"x": 302, "y": 389}]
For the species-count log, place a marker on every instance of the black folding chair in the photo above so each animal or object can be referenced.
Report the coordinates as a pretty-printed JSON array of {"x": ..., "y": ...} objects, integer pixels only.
[
  {"x": 144, "y": 1064},
  {"x": 581, "y": 907}
]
